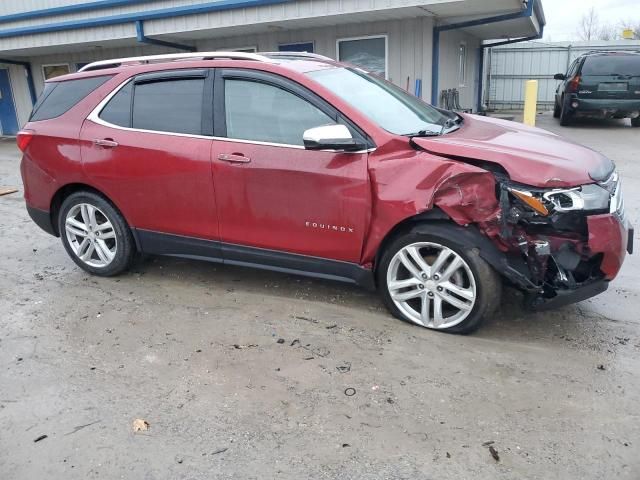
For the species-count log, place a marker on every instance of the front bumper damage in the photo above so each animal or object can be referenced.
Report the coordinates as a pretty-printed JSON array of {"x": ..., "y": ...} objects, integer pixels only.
[{"x": 564, "y": 256}]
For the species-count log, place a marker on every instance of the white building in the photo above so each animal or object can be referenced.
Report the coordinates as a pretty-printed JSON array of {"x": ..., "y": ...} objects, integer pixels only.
[{"x": 425, "y": 46}]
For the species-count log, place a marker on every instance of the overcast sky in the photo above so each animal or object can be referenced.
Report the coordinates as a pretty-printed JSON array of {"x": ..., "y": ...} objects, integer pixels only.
[{"x": 563, "y": 16}]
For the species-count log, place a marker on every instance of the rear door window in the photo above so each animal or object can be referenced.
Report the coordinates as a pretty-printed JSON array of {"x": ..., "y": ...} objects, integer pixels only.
[
  {"x": 59, "y": 97},
  {"x": 612, "y": 65},
  {"x": 118, "y": 110},
  {"x": 174, "y": 105}
]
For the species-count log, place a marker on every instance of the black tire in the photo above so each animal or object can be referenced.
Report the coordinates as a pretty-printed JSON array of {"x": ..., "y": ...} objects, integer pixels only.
[
  {"x": 556, "y": 110},
  {"x": 635, "y": 122},
  {"x": 125, "y": 248},
  {"x": 488, "y": 282},
  {"x": 565, "y": 114}
]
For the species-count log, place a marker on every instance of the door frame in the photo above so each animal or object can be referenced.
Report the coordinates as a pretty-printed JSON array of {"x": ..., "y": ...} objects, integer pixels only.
[{"x": 13, "y": 107}]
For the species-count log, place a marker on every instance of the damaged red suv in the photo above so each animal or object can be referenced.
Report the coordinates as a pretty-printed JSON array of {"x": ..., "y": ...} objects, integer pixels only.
[{"x": 296, "y": 163}]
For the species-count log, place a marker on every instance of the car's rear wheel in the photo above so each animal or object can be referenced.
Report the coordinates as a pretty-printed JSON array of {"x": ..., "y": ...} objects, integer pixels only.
[
  {"x": 432, "y": 281},
  {"x": 565, "y": 114},
  {"x": 556, "y": 110},
  {"x": 635, "y": 122},
  {"x": 95, "y": 234}
]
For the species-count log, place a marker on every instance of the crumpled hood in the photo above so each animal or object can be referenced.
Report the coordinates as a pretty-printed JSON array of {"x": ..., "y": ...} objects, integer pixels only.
[{"x": 529, "y": 155}]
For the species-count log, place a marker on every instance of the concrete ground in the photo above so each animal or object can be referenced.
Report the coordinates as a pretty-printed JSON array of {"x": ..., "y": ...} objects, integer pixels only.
[{"x": 192, "y": 348}]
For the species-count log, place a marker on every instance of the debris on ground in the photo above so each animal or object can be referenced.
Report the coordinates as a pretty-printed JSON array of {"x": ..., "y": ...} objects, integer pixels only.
[
  {"x": 345, "y": 445},
  {"x": 7, "y": 191},
  {"x": 486, "y": 444},
  {"x": 350, "y": 392},
  {"x": 306, "y": 319},
  {"x": 321, "y": 352},
  {"x": 41, "y": 437},
  {"x": 448, "y": 455},
  {"x": 494, "y": 453},
  {"x": 179, "y": 459},
  {"x": 140, "y": 425},
  {"x": 601, "y": 367},
  {"x": 344, "y": 368},
  {"x": 296, "y": 341},
  {"x": 281, "y": 340},
  {"x": 220, "y": 450},
  {"x": 240, "y": 347},
  {"x": 331, "y": 326},
  {"x": 80, "y": 427}
]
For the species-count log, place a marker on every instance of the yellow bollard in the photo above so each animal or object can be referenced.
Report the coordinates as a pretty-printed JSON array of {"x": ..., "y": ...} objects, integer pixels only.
[{"x": 530, "y": 102}]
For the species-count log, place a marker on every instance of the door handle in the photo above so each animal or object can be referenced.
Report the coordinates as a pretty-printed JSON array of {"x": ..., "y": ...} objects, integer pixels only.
[
  {"x": 105, "y": 142},
  {"x": 233, "y": 158}
]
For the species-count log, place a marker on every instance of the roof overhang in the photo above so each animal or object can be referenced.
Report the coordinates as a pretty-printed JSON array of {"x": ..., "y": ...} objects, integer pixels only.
[{"x": 258, "y": 16}]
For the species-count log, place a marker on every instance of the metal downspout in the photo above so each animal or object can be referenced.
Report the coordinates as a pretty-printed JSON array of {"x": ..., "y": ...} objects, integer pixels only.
[
  {"x": 435, "y": 66},
  {"x": 142, "y": 38}
]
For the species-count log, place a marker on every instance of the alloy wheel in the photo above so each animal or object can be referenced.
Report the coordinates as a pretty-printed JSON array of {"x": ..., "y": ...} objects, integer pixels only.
[
  {"x": 91, "y": 235},
  {"x": 431, "y": 285}
]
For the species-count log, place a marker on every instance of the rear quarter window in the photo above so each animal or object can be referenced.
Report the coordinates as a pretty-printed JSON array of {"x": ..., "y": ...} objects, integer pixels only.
[
  {"x": 612, "y": 65},
  {"x": 59, "y": 97}
]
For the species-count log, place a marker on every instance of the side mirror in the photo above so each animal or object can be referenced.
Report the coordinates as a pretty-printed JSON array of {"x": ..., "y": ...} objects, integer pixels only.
[
  {"x": 559, "y": 76},
  {"x": 330, "y": 137}
]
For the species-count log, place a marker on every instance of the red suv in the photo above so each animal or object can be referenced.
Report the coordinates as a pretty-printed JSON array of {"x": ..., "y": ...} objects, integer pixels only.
[{"x": 299, "y": 164}]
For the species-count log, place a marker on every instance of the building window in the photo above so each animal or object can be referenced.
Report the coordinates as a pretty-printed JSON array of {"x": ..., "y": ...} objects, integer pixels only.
[
  {"x": 296, "y": 47},
  {"x": 370, "y": 53},
  {"x": 462, "y": 64},
  {"x": 51, "y": 71}
]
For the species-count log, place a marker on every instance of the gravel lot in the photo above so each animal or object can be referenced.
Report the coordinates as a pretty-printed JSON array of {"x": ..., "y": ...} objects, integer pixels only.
[{"x": 193, "y": 349}]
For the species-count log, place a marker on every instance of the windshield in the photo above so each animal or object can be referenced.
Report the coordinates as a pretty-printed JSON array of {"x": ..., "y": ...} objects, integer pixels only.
[
  {"x": 387, "y": 105},
  {"x": 612, "y": 65}
]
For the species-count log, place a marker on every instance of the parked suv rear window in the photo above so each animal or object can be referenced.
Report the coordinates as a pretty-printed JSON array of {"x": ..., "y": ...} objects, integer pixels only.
[
  {"x": 169, "y": 106},
  {"x": 58, "y": 97},
  {"x": 612, "y": 65}
]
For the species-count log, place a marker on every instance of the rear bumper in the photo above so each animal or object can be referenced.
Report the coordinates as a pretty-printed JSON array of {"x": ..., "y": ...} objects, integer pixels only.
[
  {"x": 606, "y": 107},
  {"x": 42, "y": 218}
]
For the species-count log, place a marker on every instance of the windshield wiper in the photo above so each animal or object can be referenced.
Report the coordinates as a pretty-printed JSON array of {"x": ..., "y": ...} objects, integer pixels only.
[
  {"x": 452, "y": 122},
  {"x": 423, "y": 133}
]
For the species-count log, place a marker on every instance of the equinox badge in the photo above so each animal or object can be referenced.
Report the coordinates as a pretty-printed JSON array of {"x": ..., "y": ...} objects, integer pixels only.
[{"x": 326, "y": 226}]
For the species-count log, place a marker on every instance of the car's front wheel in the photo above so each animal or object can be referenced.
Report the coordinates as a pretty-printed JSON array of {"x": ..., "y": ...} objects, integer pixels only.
[
  {"x": 431, "y": 280},
  {"x": 95, "y": 235}
]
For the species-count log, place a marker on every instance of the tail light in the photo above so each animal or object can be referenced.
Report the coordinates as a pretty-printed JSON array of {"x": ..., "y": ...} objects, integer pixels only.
[
  {"x": 23, "y": 139},
  {"x": 574, "y": 84}
]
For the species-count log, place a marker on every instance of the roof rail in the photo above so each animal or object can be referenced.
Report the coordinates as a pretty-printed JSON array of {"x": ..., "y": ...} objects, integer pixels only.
[
  {"x": 297, "y": 54},
  {"x": 116, "y": 62}
]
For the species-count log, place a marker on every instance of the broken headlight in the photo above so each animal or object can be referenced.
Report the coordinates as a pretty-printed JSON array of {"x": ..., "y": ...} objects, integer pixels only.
[
  {"x": 592, "y": 197},
  {"x": 587, "y": 197}
]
